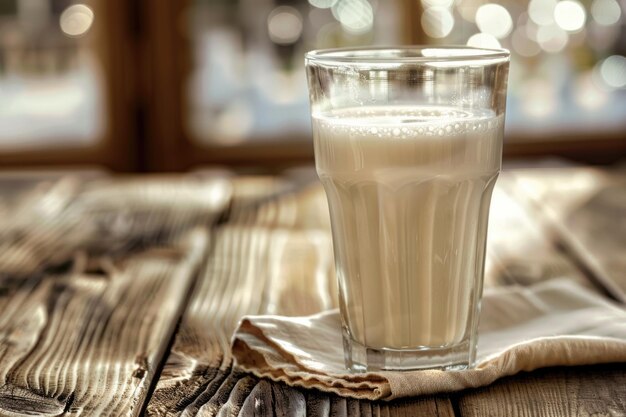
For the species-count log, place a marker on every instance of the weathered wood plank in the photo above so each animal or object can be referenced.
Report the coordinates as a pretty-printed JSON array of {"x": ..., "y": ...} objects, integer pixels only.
[
  {"x": 317, "y": 404},
  {"x": 328, "y": 405},
  {"x": 273, "y": 257},
  {"x": 269, "y": 399},
  {"x": 430, "y": 406},
  {"x": 48, "y": 226},
  {"x": 93, "y": 280},
  {"x": 557, "y": 392},
  {"x": 88, "y": 342}
]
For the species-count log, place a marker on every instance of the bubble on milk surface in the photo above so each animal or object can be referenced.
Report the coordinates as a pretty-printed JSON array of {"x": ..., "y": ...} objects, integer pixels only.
[{"x": 407, "y": 122}]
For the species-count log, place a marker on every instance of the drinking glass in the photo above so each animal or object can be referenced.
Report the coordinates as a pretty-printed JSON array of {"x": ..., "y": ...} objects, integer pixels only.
[{"x": 408, "y": 146}]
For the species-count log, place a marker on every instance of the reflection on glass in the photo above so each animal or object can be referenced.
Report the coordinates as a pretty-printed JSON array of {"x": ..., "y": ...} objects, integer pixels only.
[{"x": 49, "y": 77}]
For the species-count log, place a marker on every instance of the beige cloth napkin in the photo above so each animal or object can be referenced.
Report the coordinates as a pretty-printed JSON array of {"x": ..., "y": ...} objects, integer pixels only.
[{"x": 550, "y": 324}]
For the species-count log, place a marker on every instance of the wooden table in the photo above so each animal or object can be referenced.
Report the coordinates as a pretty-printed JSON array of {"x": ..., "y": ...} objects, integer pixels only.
[{"x": 119, "y": 296}]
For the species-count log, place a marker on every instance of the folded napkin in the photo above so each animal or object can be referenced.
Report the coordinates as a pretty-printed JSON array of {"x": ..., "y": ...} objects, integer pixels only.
[{"x": 554, "y": 323}]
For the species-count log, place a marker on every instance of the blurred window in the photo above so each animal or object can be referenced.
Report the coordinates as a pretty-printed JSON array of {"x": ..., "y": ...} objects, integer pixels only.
[
  {"x": 568, "y": 72},
  {"x": 50, "y": 82},
  {"x": 248, "y": 81},
  {"x": 101, "y": 81}
]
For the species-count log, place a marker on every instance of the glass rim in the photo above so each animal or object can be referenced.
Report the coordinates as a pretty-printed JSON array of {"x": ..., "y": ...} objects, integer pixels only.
[{"x": 417, "y": 54}]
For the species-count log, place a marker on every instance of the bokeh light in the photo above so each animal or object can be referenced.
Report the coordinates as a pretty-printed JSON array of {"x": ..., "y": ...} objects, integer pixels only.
[
  {"x": 494, "y": 20},
  {"x": 613, "y": 71},
  {"x": 606, "y": 12},
  {"x": 483, "y": 40},
  {"x": 552, "y": 38},
  {"x": 437, "y": 22},
  {"x": 284, "y": 25},
  {"x": 323, "y": 4},
  {"x": 557, "y": 49},
  {"x": 542, "y": 11},
  {"x": 355, "y": 16},
  {"x": 76, "y": 20},
  {"x": 570, "y": 15}
]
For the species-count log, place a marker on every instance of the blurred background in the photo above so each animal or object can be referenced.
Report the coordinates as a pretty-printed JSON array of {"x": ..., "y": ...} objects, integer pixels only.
[{"x": 156, "y": 85}]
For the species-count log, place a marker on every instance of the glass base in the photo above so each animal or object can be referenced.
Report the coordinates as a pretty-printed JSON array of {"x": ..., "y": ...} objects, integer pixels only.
[{"x": 360, "y": 358}]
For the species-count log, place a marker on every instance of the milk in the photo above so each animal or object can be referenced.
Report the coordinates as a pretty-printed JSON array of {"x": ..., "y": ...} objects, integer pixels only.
[{"x": 409, "y": 191}]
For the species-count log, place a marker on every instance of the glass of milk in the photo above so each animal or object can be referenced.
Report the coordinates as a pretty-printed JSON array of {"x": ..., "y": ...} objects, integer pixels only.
[{"x": 408, "y": 146}]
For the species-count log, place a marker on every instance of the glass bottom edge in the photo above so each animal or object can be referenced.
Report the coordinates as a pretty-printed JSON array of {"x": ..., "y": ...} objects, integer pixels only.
[{"x": 359, "y": 358}]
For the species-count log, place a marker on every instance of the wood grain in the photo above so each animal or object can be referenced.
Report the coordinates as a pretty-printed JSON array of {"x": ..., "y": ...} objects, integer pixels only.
[
  {"x": 558, "y": 392},
  {"x": 269, "y": 258},
  {"x": 87, "y": 313},
  {"x": 53, "y": 222},
  {"x": 94, "y": 276},
  {"x": 88, "y": 341}
]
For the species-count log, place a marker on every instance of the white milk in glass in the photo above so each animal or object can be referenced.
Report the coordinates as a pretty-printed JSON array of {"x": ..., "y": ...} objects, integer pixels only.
[{"x": 409, "y": 191}]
